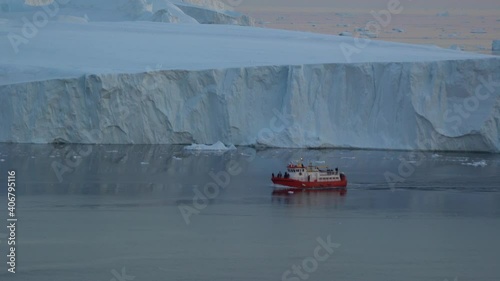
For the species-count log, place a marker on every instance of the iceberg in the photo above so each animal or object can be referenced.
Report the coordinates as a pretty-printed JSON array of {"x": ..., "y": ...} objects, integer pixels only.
[
  {"x": 211, "y": 12},
  {"x": 218, "y": 146},
  {"x": 144, "y": 82}
]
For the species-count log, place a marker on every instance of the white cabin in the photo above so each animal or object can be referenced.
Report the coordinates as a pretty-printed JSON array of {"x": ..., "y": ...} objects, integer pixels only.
[{"x": 312, "y": 173}]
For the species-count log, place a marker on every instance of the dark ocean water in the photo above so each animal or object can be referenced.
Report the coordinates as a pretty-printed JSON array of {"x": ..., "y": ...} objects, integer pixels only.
[{"x": 138, "y": 213}]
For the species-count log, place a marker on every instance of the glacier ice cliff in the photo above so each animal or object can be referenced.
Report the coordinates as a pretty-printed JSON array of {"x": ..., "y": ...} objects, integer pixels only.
[
  {"x": 154, "y": 83},
  {"x": 366, "y": 105}
]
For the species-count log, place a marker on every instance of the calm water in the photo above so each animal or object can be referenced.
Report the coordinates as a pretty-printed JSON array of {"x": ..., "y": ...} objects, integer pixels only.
[{"x": 113, "y": 213}]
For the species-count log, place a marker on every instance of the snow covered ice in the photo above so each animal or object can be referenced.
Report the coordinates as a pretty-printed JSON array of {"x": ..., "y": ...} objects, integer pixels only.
[{"x": 118, "y": 77}]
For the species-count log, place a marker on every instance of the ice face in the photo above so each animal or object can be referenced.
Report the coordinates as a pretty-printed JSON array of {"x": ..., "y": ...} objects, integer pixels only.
[{"x": 140, "y": 82}]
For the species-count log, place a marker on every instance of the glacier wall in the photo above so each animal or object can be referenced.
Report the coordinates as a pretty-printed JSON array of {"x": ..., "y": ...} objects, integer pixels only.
[{"x": 440, "y": 105}]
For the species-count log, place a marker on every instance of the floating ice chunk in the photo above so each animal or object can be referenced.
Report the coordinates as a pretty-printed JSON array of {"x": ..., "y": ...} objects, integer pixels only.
[
  {"x": 2, "y": 160},
  {"x": 450, "y": 35},
  {"x": 481, "y": 163},
  {"x": 177, "y": 158},
  {"x": 456, "y": 47},
  {"x": 345, "y": 33},
  {"x": 478, "y": 30},
  {"x": 369, "y": 34},
  {"x": 112, "y": 151},
  {"x": 344, "y": 15},
  {"x": 218, "y": 146},
  {"x": 458, "y": 159},
  {"x": 443, "y": 14},
  {"x": 435, "y": 155},
  {"x": 144, "y": 163},
  {"x": 495, "y": 45}
]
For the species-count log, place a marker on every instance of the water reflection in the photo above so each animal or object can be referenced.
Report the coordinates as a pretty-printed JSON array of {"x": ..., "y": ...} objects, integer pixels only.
[{"x": 309, "y": 197}]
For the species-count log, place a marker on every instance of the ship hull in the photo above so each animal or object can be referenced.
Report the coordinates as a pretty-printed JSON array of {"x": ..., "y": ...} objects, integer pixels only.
[{"x": 287, "y": 183}]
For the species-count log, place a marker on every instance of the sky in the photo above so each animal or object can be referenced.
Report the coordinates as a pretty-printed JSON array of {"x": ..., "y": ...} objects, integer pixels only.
[{"x": 420, "y": 4}]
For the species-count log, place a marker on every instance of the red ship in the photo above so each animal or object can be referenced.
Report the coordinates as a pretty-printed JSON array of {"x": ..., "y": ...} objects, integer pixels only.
[{"x": 299, "y": 176}]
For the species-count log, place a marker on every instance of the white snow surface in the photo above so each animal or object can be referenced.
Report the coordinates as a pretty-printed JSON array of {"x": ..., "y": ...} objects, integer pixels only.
[
  {"x": 146, "y": 82},
  {"x": 68, "y": 50}
]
